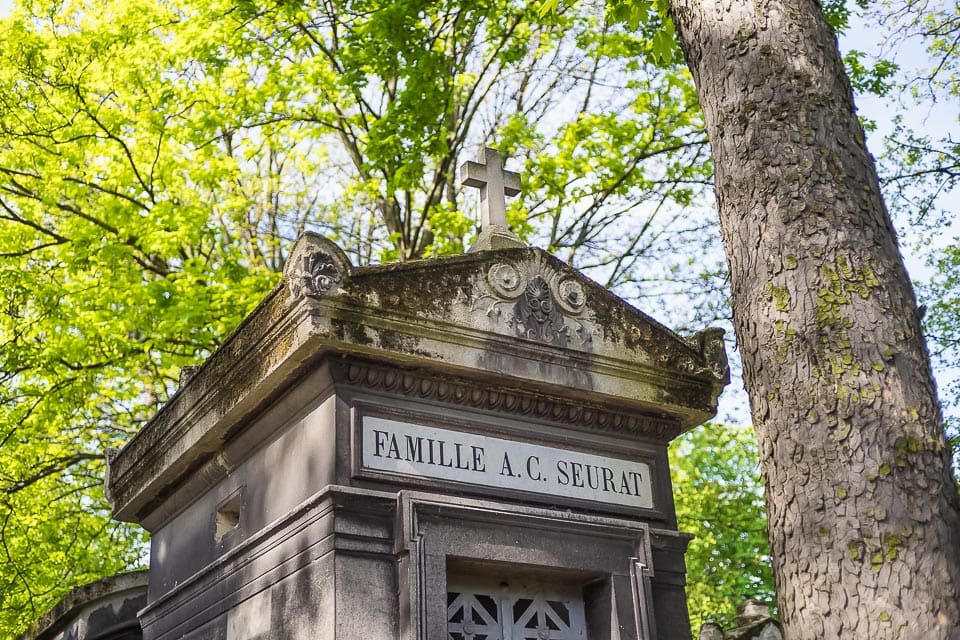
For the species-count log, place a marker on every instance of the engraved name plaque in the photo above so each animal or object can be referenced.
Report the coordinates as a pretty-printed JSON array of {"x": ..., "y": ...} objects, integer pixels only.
[{"x": 427, "y": 452}]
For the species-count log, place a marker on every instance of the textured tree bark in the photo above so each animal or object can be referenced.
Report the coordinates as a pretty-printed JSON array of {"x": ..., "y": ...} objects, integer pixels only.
[{"x": 863, "y": 509}]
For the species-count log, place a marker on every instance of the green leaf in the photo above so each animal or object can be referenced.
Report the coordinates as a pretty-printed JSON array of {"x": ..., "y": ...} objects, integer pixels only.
[{"x": 719, "y": 499}]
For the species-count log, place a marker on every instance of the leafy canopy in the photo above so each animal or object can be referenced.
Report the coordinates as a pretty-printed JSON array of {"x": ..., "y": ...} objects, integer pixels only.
[
  {"x": 715, "y": 471},
  {"x": 158, "y": 156},
  {"x": 920, "y": 167}
]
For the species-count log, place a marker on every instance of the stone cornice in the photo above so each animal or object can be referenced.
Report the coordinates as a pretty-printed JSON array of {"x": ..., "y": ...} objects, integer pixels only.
[{"x": 514, "y": 401}]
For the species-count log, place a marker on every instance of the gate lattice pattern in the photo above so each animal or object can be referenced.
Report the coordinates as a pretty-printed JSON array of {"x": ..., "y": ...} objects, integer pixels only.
[{"x": 472, "y": 615}]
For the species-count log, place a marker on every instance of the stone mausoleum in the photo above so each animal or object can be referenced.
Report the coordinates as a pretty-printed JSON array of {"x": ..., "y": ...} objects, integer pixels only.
[{"x": 463, "y": 448}]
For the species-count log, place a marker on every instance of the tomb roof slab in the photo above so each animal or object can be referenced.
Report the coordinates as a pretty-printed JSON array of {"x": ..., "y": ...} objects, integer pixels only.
[{"x": 514, "y": 317}]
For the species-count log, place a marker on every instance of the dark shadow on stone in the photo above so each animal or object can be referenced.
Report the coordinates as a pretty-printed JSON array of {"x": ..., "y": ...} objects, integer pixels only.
[{"x": 102, "y": 610}]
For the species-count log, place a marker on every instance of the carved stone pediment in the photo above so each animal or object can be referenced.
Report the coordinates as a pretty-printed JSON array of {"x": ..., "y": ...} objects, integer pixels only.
[
  {"x": 510, "y": 333},
  {"x": 517, "y": 311},
  {"x": 710, "y": 345}
]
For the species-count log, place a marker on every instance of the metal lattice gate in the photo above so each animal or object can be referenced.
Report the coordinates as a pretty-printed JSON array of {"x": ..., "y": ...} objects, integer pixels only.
[{"x": 513, "y": 610}]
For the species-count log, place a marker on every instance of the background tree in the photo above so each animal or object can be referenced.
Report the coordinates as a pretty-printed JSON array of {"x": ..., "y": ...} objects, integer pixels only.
[
  {"x": 715, "y": 471},
  {"x": 156, "y": 158},
  {"x": 921, "y": 166},
  {"x": 863, "y": 510}
]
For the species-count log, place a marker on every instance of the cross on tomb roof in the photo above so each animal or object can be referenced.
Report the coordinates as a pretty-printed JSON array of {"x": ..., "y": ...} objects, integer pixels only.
[{"x": 494, "y": 182}]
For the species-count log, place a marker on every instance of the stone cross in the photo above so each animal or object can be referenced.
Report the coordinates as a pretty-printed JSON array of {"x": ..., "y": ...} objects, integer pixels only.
[{"x": 495, "y": 183}]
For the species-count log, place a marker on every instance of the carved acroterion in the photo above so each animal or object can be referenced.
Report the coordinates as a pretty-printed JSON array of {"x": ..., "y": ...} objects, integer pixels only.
[{"x": 316, "y": 267}]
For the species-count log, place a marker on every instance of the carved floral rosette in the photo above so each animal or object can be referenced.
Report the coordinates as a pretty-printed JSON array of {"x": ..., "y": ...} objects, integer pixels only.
[{"x": 538, "y": 303}]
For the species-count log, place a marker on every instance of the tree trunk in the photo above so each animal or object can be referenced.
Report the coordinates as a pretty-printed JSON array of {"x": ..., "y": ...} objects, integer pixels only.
[{"x": 862, "y": 505}]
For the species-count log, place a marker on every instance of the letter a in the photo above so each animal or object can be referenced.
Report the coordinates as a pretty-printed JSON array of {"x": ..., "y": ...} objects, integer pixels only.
[{"x": 505, "y": 468}]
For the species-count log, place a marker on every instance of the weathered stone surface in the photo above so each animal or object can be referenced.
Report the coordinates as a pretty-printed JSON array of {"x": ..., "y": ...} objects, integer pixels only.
[
  {"x": 753, "y": 623},
  {"x": 316, "y": 267},
  {"x": 495, "y": 239},
  {"x": 102, "y": 610},
  {"x": 516, "y": 316},
  {"x": 310, "y": 479},
  {"x": 761, "y": 630},
  {"x": 710, "y": 631}
]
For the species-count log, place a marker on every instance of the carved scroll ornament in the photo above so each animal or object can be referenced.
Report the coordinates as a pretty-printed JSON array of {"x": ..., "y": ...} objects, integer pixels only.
[{"x": 315, "y": 268}]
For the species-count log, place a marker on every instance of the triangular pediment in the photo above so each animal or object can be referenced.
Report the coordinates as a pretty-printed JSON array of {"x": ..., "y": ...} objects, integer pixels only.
[{"x": 492, "y": 310}]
